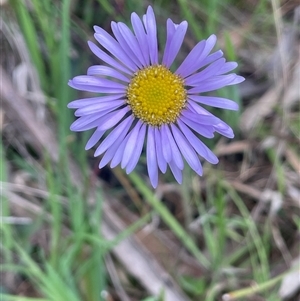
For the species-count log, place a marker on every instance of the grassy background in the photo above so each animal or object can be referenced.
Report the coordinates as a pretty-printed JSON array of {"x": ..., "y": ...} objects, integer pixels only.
[{"x": 231, "y": 235}]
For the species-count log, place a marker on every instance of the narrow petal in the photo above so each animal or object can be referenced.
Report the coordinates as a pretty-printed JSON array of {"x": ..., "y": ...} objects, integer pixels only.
[
  {"x": 132, "y": 42},
  {"x": 176, "y": 172},
  {"x": 200, "y": 119},
  {"x": 110, "y": 152},
  {"x": 119, "y": 153},
  {"x": 211, "y": 70},
  {"x": 162, "y": 164},
  {"x": 224, "y": 129},
  {"x": 100, "y": 107},
  {"x": 217, "y": 82},
  {"x": 186, "y": 149},
  {"x": 119, "y": 131},
  {"x": 113, "y": 118},
  {"x": 137, "y": 151},
  {"x": 229, "y": 66},
  {"x": 97, "y": 135},
  {"x": 124, "y": 44},
  {"x": 197, "y": 144},
  {"x": 217, "y": 102},
  {"x": 176, "y": 156},
  {"x": 151, "y": 158},
  {"x": 175, "y": 44},
  {"x": 131, "y": 144},
  {"x": 107, "y": 71},
  {"x": 204, "y": 130},
  {"x": 194, "y": 61},
  {"x": 91, "y": 86},
  {"x": 108, "y": 59},
  {"x": 79, "y": 103},
  {"x": 171, "y": 28},
  {"x": 188, "y": 63},
  {"x": 167, "y": 152},
  {"x": 111, "y": 45},
  {"x": 141, "y": 36},
  {"x": 150, "y": 25},
  {"x": 211, "y": 58},
  {"x": 87, "y": 122}
]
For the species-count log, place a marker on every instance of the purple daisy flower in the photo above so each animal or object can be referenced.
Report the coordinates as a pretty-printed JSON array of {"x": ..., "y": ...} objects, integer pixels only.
[{"x": 141, "y": 99}]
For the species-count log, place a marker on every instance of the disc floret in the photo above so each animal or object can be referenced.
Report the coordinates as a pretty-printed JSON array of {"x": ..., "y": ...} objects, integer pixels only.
[{"x": 156, "y": 95}]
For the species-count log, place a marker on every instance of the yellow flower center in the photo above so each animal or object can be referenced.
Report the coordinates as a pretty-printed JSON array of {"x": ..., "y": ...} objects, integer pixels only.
[{"x": 156, "y": 95}]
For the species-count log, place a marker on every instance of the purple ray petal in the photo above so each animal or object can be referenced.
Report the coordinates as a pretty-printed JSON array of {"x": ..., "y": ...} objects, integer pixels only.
[
  {"x": 79, "y": 103},
  {"x": 141, "y": 36},
  {"x": 162, "y": 164},
  {"x": 151, "y": 158},
  {"x": 176, "y": 172},
  {"x": 108, "y": 59},
  {"x": 131, "y": 144},
  {"x": 111, "y": 45},
  {"x": 113, "y": 118},
  {"x": 137, "y": 151},
  {"x": 97, "y": 135},
  {"x": 107, "y": 71},
  {"x": 186, "y": 149},
  {"x": 229, "y": 66},
  {"x": 197, "y": 144},
  {"x": 99, "y": 107},
  {"x": 150, "y": 25},
  {"x": 217, "y": 102},
  {"x": 224, "y": 129},
  {"x": 120, "y": 130},
  {"x": 176, "y": 156},
  {"x": 204, "y": 130},
  {"x": 166, "y": 149},
  {"x": 175, "y": 43},
  {"x": 124, "y": 44},
  {"x": 208, "y": 72},
  {"x": 119, "y": 153}
]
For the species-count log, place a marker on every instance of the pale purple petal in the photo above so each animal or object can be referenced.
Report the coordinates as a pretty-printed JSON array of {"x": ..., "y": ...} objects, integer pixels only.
[
  {"x": 167, "y": 152},
  {"x": 108, "y": 59},
  {"x": 176, "y": 172},
  {"x": 97, "y": 135},
  {"x": 194, "y": 62},
  {"x": 107, "y": 71},
  {"x": 99, "y": 107},
  {"x": 217, "y": 102},
  {"x": 229, "y": 66},
  {"x": 171, "y": 28},
  {"x": 204, "y": 130},
  {"x": 120, "y": 130},
  {"x": 187, "y": 150},
  {"x": 175, "y": 44},
  {"x": 141, "y": 36},
  {"x": 121, "y": 38},
  {"x": 211, "y": 58},
  {"x": 93, "y": 100},
  {"x": 132, "y": 42},
  {"x": 137, "y": 151},
  {"x": 119, "y": 153},
  {"x": 94, "y": 84},
  {"x": 87, "y": 122},
  {"x": 197, "y": 144},
  {"x": 131, "y": 144},
  {"x": 111, "y": 45},
  {"x": 211, "y": 70},
  {"x": 186, "y": 66},
  {"x": 201, "y": 119},
  {"x": 224, "y": 129},
  {"x": 113, "y": 118},
  {"x": 162, "y": 164},
  {"x": 217, "y": 82},
  {"x": 176, "y": 156},
  {"x": 150, "y": 25},
  {"x": 151, "y": 157}
]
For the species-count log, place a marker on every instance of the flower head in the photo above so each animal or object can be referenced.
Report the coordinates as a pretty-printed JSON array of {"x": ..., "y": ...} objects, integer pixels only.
[{"x": 142, "y": 99}]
